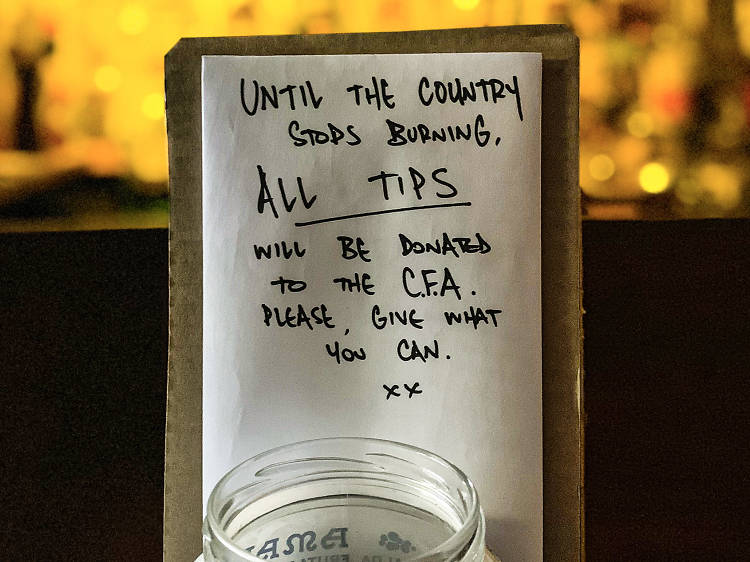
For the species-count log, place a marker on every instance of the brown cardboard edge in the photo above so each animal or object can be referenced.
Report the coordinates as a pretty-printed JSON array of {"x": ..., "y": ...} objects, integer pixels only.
[{"x": 561, "y": 268}]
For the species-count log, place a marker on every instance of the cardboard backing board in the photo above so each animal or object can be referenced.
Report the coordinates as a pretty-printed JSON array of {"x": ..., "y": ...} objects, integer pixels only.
[{"x": 561, "y": 310}]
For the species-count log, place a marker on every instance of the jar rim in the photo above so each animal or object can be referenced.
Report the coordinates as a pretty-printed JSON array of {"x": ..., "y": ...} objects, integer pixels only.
[{"x": 463, "y": 535}]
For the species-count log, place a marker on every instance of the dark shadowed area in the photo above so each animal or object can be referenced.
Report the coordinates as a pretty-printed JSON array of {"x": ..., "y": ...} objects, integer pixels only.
[{"x": 83, "y": 318}]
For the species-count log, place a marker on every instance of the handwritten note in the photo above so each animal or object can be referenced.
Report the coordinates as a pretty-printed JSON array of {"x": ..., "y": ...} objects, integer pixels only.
[{"x": 371, "y": 264}]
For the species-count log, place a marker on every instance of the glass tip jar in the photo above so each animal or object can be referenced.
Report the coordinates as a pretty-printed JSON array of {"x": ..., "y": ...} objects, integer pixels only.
[{"x": 344, "y": 499}]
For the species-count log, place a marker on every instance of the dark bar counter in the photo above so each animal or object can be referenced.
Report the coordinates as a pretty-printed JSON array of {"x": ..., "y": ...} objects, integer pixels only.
[{"x": 83, "y": 353}]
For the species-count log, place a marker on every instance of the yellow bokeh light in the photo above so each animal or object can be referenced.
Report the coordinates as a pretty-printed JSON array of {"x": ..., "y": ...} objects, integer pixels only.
[
  {"x": 133, "y": 19},
  {"x": 153, "y": 106},
  {"x": 107, "y": 78},
  {"x": 149, "y": 159},
  {"x": 601, "y": 167},
  {"x": 640, "y": 124},
  {"x": 654, "y": 178},
  {"x": 466, "y": 4},
  {"x": 723, "y": 183}
]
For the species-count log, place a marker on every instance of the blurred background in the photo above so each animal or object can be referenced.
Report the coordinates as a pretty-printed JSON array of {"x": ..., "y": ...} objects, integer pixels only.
[{"x": 665, "y": 98}]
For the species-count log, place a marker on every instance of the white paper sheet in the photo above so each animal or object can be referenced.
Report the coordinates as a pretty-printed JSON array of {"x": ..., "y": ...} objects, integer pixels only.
[{"x": 469, "y": 390}]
